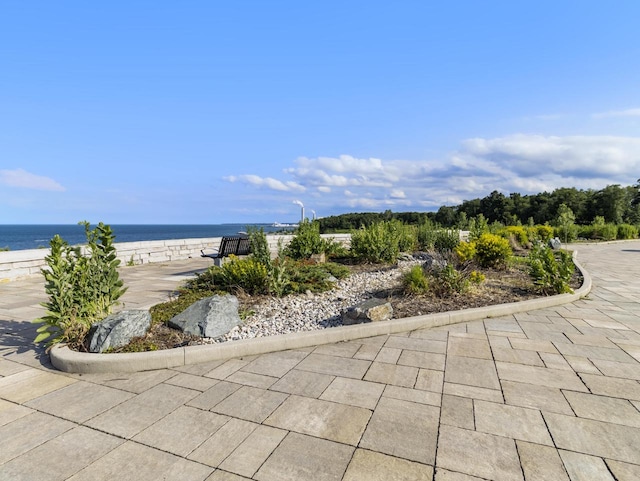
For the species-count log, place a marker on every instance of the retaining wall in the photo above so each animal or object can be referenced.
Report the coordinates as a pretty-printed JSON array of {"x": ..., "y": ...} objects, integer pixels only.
[{"x": 25, "y": 263}]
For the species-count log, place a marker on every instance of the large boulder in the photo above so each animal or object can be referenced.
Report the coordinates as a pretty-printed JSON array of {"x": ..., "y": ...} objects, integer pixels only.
[
  {"x": 210, "y": 317},
  {"x": 371, "y": 310},
  {"x": 118, "y": 329}
]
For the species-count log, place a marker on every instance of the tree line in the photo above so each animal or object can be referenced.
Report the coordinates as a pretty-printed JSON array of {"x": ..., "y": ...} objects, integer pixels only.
[{"x": 615, "y": 203}]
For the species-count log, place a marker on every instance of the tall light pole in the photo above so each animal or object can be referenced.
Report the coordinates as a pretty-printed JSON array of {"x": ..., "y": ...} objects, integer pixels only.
[{"x": 297, "y": 202}]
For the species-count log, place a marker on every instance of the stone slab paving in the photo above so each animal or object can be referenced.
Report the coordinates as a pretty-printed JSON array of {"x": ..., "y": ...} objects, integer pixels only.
[{"x": 552, "y": 394}]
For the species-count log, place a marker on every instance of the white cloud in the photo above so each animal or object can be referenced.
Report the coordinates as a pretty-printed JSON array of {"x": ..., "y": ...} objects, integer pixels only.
[
  {"x": 523, "y": 163},
  {"x": 268, "y": 182},
  {"x": 617, "y": 113},
  {"x": 27, "y": 180}
]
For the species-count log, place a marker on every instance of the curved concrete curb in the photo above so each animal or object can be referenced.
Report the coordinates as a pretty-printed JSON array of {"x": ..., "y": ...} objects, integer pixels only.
[{"x": 67, "y": 360}]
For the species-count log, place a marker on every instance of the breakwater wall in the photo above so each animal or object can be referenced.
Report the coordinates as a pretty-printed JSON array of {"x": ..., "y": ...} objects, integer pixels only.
[{"x": 25, "y": 263}]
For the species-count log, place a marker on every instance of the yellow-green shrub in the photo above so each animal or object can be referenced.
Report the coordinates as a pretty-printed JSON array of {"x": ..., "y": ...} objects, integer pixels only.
[
  {"x": 519, "y": 233},
  {"x": 492, "y": 250},
  {"x": 466, "y": 251},
  {"x": 545, "y": 232}
]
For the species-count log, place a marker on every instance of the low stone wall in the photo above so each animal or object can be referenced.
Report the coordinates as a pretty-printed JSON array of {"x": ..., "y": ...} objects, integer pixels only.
[{"x": 25, "y": 263}]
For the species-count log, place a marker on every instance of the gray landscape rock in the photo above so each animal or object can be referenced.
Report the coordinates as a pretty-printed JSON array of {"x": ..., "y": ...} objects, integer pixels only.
[
  {"x": 210, "y": 317},
  {"x": 118, "y": 329},
  {"x": 555, "y": 243},
  {"x": 434, "y": 263},
  {"x": 371, "y": 310}
]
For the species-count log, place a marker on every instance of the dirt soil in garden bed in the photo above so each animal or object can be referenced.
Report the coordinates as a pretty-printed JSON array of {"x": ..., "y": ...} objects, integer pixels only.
[{"x": 500, "y": 287}]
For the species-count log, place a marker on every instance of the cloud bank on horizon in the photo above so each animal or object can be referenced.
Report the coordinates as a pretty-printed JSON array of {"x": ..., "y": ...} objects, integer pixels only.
[{"x": 523, "y": 163}]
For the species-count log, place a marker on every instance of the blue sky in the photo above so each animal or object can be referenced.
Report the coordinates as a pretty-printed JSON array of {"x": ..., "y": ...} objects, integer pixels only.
[{"x": 211, "y": 112}]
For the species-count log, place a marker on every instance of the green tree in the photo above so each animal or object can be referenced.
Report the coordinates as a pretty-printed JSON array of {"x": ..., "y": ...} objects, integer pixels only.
[{"x": 566, "y": 221}]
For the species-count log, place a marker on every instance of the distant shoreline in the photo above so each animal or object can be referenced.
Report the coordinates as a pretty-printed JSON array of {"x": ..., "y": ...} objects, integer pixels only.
[{"x": 17, "y": 237}]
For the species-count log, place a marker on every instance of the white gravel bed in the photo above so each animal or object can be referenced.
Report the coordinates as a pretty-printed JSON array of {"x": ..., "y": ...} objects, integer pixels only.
[{"x": 308, "y": 312}]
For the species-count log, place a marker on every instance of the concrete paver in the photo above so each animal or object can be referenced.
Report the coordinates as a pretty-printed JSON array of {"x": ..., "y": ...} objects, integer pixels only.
[{"x": 550, "y": 394}]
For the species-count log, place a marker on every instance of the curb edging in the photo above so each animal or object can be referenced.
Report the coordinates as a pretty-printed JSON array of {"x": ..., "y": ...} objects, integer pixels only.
[{"x": 64, "y": 359}]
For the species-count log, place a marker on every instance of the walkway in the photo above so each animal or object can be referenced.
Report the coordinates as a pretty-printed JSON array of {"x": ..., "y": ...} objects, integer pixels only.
[{"x": 546, "y": 395}]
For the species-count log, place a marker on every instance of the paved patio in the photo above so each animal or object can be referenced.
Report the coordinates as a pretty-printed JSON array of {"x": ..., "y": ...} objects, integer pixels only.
[{"x": 550, "y": 394}]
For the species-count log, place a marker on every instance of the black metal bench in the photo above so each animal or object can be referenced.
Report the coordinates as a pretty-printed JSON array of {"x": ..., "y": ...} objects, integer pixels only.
[{"x": 230, "y": 245}]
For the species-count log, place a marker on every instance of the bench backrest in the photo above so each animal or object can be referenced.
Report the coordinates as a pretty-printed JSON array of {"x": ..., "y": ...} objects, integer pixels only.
[{"x": 234, "y": 245}]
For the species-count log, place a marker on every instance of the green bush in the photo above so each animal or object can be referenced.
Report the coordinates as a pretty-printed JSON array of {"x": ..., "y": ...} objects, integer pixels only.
[
  {"x": 446, "y": 240},
  {"x": 627, "y": 231},
  {"x": 550, "y": 274},
  {"x": 492, "y": 251},
  {"x": 415, "y": 281},
  {"x": 247, "y": 274},
  {"x": 259, "y": 246},
  {"x": 448, "y": 281},
  {"x": 82, "y": 289},
  {"x": 378, "y": 242},
  {"x": 426, "y": 236},
  {"x": 305, "y": 277},
  {"x": 478, "y": 226},
  {"x": 306, "y": 241},
  {"x": 567, "y": 233},
  {"x": 609, "y": 232}
]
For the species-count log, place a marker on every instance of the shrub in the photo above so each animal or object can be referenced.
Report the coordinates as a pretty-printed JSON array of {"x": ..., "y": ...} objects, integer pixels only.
[
  {"x": 446, "y": 240},
  {"x": 315, "y": 277},
  {"x": 550, "y": 274},
  {"x": 448, "y": 281},
  {"x": 567, "y": 233},
  {"x": 377, "y": 242},
  {"x": 477, "y": 278},
  {"x": 492, "y": 250},
  {"x": 545, "y": 232},
  {"x": 407, "y": 236},
  {"x": 519, "y": 233},
  {"x": 478, "y": 226},
  {"x": 82, "y": 289},
  {"x": 627, "y": 231},
  {"x": 259, "y": 246},
  {"x": 415, "y": 281},
  {"x": 248, "y": 274},
  {"x": 426, "y": 236},
  {"x": 306, "y": 241},
  {"x": 466, "y": 251},
  {"x": 609, "y": 232}
]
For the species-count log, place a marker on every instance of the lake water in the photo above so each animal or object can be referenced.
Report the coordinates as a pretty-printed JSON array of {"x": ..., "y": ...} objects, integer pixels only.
[{"x": 19, "y": 237}]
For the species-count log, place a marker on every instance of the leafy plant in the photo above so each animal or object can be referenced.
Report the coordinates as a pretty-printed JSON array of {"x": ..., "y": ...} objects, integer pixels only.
[
  {"x": 478, "y": 226},
  {"x": 448, "y": 281},
  {"x": 426, "y": 235},
  {"x": 259, "y": 245},
  {"x": 476, "y": 277},
  {"x": 519, "y": 233},
  {"x": 627, "y": 231},
  {"x": 415, "y": 281},
  {"x": 306, "y": 241},
  {"x": 248, "y": 274},
  {"x": 465, "y": 251},
  {"x": 566, "y": 223},
  {"x": 550, "y": 274},
  {"x": 377, "y": 242},
  {"x": 315, "y": 277},
  {"x": 446, "y": 240},
  {"x": 82, "y": 289},
  {"x": 609, "y": 232},
  {"x": 492, "y": 251}
]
